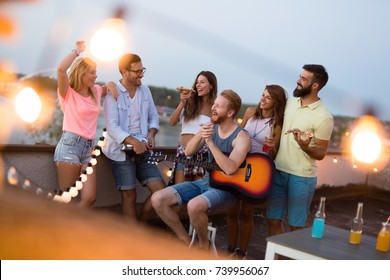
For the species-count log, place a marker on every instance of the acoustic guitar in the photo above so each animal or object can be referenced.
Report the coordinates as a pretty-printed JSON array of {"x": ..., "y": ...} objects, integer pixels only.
[{"x": 253, "y": 178}]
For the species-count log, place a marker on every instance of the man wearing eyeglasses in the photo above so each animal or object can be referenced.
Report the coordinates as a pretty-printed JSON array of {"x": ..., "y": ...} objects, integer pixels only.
[{"x": 132, "y": 121}]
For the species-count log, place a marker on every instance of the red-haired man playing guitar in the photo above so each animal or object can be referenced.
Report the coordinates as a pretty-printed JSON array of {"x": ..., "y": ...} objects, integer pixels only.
[{"x": 223, "y": 136}]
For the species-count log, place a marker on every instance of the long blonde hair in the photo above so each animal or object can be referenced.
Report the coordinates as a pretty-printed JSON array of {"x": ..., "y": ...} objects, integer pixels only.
[{"x": 79, "y": 68}]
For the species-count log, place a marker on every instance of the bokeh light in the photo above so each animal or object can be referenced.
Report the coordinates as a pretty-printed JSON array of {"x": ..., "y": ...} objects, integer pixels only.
[
  {"x": 28, "y": 104},
  {"x": 366, "y": 146},
  {"x": 108, "y": 43},
  {"x": 365, "y": 143}
]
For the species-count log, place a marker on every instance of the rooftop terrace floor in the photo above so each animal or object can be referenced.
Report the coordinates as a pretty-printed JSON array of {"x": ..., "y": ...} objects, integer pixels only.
[{"x": 341, "y": 204}]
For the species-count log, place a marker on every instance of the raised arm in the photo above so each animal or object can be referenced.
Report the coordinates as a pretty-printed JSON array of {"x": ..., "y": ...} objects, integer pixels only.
[
  {"x": 175, "y": 117},
  {"x": 62, "y": 77}
]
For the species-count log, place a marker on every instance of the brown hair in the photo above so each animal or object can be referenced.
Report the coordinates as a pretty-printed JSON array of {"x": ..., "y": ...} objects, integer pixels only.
[
  {"x": 126, "y": 60},
  {"x": 234, "y": 100},
  {"x": 194, "y": 104},
  {"x": 279, "y": 95}
]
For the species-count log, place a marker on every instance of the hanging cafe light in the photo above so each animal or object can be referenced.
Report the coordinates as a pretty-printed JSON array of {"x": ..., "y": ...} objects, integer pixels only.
[{"x": 365, "y": 144}]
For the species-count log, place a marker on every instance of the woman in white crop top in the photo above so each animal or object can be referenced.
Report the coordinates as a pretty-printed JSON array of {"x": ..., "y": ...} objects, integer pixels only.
[
  {"x": 264, "y": 124},
  {"x": 194, "y": 109}
]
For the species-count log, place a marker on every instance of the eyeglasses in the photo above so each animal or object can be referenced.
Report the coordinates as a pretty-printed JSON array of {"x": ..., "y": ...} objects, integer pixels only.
[{"x": 138, "y": 72}]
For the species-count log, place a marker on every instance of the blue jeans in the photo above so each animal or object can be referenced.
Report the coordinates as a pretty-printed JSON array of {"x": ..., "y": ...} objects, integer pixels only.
[
  {"x": 73, "y": 148},
  {"x": 126, "y": 173},
  {"x": 216, "y": 199}
]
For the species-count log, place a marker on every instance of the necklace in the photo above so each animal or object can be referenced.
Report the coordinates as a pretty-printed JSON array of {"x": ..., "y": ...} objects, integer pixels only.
[{"x": 261, "y": 129}]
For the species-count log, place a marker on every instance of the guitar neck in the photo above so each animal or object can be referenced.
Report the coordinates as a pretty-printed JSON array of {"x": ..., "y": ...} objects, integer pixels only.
[{"x": 207, "y": 165}]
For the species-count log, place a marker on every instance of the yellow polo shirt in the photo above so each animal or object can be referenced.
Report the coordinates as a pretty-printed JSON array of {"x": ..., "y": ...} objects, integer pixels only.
[{"x": 314, "y": 118}]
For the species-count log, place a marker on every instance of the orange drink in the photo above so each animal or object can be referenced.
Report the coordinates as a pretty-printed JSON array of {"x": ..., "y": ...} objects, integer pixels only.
[
  {"x": 355, "y": 237},
  {"x": 382, "y": 243}
]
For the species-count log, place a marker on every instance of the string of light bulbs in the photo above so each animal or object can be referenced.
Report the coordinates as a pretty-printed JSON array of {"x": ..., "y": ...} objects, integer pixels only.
[
  {"x": 70, "y": 192},
  {"x": 354, "y": 164}
]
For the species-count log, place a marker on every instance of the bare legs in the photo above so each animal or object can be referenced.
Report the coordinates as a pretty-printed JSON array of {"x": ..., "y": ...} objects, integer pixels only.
[
  {"x": 147, "y": 210},
  {"x": 197, "y": 212},
  {"x": 275, "y": 227},
  {"x": 129, "y": 199},
  {"x": 68, "y": 173},
  {"x": 164, "y": 203},
  {"x": 240, "y": 225}
]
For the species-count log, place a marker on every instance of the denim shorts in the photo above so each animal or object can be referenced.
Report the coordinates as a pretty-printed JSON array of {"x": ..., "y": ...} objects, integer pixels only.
[
  {"x": 126, "y": 173},
  {"x": 216, "y": 199},
  {"x": 73, "y": 148},
  {"x": 291, "y": 194}
]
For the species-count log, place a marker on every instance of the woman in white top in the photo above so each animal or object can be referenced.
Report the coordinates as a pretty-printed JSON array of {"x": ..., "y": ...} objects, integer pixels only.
[
  {"x": 264, "y": 124},
  {"x": 194, "y": 109}
]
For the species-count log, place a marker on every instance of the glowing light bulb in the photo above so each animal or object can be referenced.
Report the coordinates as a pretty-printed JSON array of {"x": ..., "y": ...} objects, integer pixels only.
[
  {"x": 335, "y": 160},
  {"x": 108, "y": 42},
  {"x": 28, "y": 105},
  {"x": 58, "y": 196},
  {"x": 104, "y": 134},
  {"x": 26, "y": 184},
  {"x": 73, "y": 192},
  {"x": 79, "y": 184},
  {"x": 66, "y": 197},
  {"x": 169, "y": 172},
  {"x": 93, "y": 160},
  {"x": 12, "y": 176},
  {"x": 49, "y": 195},
  {"x": 101, "y": 142},
  {"x": 83, "y": 176},
  {"x": 97, "y": 151},
  {"x": 366, "y": 146},
  {"x": 89, "y": 169}
]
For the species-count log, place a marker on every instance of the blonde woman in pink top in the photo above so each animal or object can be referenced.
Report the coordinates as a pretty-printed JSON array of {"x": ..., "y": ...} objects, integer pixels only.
[{"x": 79, "y": 98}]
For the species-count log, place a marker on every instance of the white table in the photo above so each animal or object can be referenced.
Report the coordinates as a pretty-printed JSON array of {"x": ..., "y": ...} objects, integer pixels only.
[{"x": 334, "y": 245}]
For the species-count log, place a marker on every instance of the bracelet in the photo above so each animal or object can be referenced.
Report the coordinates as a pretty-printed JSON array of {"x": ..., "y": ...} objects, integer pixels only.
[{"x": 76, "y": 52}]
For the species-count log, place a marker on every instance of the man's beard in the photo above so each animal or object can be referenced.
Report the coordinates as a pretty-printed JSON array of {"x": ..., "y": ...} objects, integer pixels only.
[
  {"x": 302, "y": 92},
  {"x": 219, "y": 119}
]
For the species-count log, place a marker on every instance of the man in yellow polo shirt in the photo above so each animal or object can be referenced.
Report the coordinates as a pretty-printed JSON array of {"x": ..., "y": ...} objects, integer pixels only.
[{"x": 306, "y": 132}]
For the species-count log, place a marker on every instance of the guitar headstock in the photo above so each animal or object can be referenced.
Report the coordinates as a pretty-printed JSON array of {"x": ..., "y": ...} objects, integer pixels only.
[{"x": 156, "y": 157}]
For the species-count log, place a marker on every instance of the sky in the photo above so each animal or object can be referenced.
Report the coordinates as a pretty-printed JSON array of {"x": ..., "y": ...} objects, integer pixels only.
[{"x": 247, "y": 44}]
